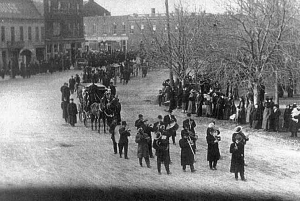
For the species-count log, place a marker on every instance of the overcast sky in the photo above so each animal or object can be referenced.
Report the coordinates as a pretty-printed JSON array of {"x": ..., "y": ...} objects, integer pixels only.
[{"x": 125, "y": 7}]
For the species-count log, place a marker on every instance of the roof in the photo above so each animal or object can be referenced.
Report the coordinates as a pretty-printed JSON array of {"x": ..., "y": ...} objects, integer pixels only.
[
  {"x": 39, "y": 4},
  {"x": 18, "y": 9},
  {"x": 91, "y": 8}
]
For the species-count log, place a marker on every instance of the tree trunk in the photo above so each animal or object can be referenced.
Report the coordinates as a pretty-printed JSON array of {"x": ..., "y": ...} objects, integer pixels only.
[
  {"x": 256, "y": 92},
  {"x": 276, "y": 97}
]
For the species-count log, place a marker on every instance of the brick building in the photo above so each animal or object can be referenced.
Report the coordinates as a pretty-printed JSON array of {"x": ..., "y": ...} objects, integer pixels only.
[
  {"x": 64, "y": 28},
  {"x": 123, "y": 33},
  {"x": 22, "y": 33}
]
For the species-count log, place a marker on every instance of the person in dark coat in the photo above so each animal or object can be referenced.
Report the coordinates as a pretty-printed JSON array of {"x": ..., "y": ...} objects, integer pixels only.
[
  {"x": 220, "y": 107},
  {"x": 112, "y": 89},
  {"x": 143, "y": 150},
  {"x": 274, "y": 118},
  {"x": 72, "y": 83},
  {"x": 190, "y": 124},
  {"x": 256, "y": 117},
  {"x": 237, "y": 158},
  {"x": 287, "y": 117},
  {"x": 157, "y": 125},
  {"x": 168, "y": 120},
  {"x": 140, "y": 122},
  {"x": 112, "y": 128},
  {"x": 123, "y": 141},
  {"x": 72, "y": 112},
  {"x": 187, "y": 155},
  {"x": 242, "y": 112},
  {"x": 161, "y": 145},
  {"x": 64, "y": 107},
  {"x": 212, "y": 139},
  {"x": 147, "y": 130},
  {"x": 185, "y": 99}
]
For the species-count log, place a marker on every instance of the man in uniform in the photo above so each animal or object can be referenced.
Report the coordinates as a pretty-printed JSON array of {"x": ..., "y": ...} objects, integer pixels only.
[
  {"x": 123, "y": 141},
  {"x": 140, "y": 123},
  {"x": 190, "y": 124},
  {"x": 169, "y": 120}
]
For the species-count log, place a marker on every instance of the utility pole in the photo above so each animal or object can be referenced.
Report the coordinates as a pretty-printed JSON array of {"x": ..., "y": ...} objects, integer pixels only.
[{"x": 169, "y": 44}]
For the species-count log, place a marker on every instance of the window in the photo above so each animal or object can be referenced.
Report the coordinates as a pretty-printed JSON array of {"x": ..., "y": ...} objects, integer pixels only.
[
  {"x": 104, "y": 28},
  {"x": 123, "y": 28},
  {"x": 21, "y": 34},
  {"x": 56, "y": 28},
  {"x": 42, "y": 33},
  {"x": 37, "y": 34},
  {"x": 114, "y": 28},
  {"x": 132, "y": 29},
  {"x": 94, "y": 28},
  {"x": 12, "y": 34},
  {"x": 29, "y": 34},
  {"x": 49, "y": 6},
  {"x": 2, "y": 34},
  {"x": 142, "y": 27}
]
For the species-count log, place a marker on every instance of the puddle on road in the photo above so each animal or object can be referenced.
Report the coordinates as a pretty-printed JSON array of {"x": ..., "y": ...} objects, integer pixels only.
[{"x": 64, "y": 145}]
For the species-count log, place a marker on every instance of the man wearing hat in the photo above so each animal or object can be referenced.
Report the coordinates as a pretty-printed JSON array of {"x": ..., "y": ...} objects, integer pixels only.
[
  {"x": 123, "y": 141},
  {"x": 170, "y": 120},
  {"x": 112, "y": 89},
  {"x": 140, "y": 123},
  {"x": 190, "y": 124},
  {"x": 72, "y": 112},
  {"x": 157, "y": 125},
  {"x": 161, "y": 145}
]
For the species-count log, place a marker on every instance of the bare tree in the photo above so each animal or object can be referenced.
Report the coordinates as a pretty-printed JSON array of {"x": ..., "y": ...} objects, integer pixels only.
[{"x": 261, "y": 40}]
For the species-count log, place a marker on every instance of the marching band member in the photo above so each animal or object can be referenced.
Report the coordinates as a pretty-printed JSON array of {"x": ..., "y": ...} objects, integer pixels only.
[
  {"x": 187, "y": 153},
  {"x": 161, "y": 145},
  {"x": 148, "y": 128},
  {"x": 237, "y": 158},
  {"x": 123, "y": 141},
  {"x": 213, "y": 138},
  {"x": 143, "y": 150},
  {"x": 157, "y": 125},
  {"x": 140, "y": 123},
  {"x": 190, "y": 124},
  {"x": 170, "y": 120}
]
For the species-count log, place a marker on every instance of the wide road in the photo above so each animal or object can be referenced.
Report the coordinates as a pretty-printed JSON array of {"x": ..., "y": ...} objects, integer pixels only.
[{"x": 43, "y": 158}]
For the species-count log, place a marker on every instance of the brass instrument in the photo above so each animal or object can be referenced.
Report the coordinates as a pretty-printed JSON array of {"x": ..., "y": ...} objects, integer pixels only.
[{"x": 191, "y": 143}]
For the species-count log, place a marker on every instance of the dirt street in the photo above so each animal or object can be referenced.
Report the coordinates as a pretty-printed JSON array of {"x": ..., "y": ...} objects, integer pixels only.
[{"x": 43, "y": 158}]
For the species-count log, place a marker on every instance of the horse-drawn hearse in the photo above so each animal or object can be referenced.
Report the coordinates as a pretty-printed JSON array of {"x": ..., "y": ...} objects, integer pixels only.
[{"x": 96, "y": 103}]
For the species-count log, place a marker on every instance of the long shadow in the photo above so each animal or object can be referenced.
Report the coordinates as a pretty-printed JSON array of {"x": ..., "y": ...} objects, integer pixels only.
[{"x": 95, "y": 194}]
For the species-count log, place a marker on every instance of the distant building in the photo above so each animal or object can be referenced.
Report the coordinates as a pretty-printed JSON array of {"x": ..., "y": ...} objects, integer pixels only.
[
  {"x": 22, "y": 33},
  {"x": 91, "y": 8},
  {"x": 123, "y": 33},
  {"x": 64, "y": 28}
]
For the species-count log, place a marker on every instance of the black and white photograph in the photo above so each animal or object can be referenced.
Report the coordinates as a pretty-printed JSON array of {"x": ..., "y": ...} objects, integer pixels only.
[{"x": 137, "y": 100}]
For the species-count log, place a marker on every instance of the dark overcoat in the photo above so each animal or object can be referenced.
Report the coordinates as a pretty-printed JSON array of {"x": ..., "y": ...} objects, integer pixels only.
[
  {"x": 143, "y": 150},
  {"x": 162, "y": 150},
  {"x": 72, "y": 112},
  {"x": 213, "y": 153},
  {"x": 237, "y": 158},
  {"x": 64, "y": 107},
  {"x": 187, "y": 156},
  {"x": 124, "y": 134}
]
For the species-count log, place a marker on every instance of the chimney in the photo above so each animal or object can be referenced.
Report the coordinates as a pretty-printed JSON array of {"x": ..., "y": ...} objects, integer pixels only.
[{"x": 152, "y": 12}]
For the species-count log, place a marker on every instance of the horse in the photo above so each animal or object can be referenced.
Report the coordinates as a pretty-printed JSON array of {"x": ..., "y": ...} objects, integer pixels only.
[{"x": 97, "y": 113}]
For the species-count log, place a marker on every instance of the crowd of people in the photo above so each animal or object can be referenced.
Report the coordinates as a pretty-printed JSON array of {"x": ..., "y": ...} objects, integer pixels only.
[
  {"x": 208, "y": 100},
  {"x": 165, "y": 129}
]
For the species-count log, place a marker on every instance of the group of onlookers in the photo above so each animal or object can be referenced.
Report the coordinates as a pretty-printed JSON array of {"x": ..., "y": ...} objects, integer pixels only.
[{"x": 209, "y": 101}]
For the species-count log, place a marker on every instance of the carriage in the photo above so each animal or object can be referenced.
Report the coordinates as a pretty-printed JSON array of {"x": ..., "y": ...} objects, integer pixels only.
[{"x": 89, "y": 93}]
